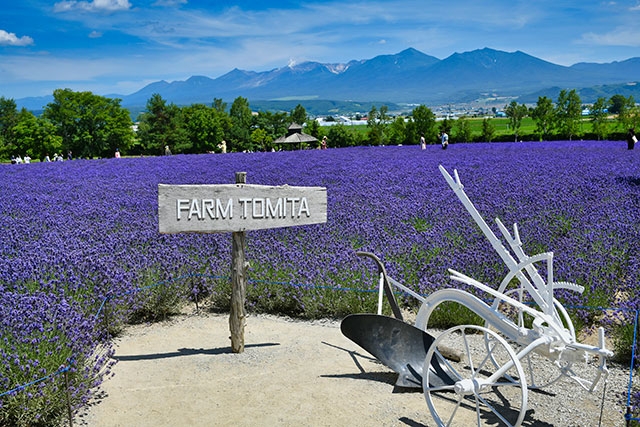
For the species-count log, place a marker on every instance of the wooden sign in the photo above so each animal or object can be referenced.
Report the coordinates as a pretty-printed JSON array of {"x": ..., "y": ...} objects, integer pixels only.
[{"x": 238, "y": 207}]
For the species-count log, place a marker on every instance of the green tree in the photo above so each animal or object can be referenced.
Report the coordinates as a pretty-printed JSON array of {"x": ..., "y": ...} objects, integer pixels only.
[
  {"x": 424, "y": 121},
  {"x": 35, "y": 136},
  {"x": 488, "y": 130},
  {"x": 377, "y": 125},
  {"x": 398, "y": 132},
  {"x": 543, "y": 115},
  {"x": 341, "y": 136},
  {"x": 8, "y": 120},
  {"x": 626, "y": 113},
  {"x": 445, "y": 126},
  {"x": 160, "y": 126},
  {"x": 314, "y": 129},
  {"x": 261, "y": 140},
  {"x": 599, "y": 118},
  {"x": 241, "y": 121},
  {"x": 90, "y": 125},
  {"x": 515, "y": 113},
  {"x": 463, "y": 130},
  {"x": 616, "y": 103},
  {"x": 205, "y": 128},
  {"x": 298, "y": 115},
  {"x": 219, "y": 105},
  {"x": 274, "y": 124},
  {"x": 568, "y": 113}
]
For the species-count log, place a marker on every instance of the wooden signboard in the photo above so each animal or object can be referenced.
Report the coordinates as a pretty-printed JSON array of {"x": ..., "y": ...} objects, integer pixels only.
[{"x": 238, "y": 207}]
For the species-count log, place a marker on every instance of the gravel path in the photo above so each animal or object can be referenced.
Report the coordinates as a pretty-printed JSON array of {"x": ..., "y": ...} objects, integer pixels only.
[{"x": 292, "y": 373}]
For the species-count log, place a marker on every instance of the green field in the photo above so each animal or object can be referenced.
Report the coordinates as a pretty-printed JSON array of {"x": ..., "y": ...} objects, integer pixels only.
[{"x": 527, "y": 131}]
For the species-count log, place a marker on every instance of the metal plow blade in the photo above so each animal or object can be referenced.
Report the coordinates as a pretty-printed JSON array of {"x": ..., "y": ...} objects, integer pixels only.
[{"x": 398, "y": 345}]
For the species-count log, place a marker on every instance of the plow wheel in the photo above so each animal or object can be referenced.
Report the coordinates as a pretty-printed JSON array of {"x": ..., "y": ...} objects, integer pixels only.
[
  {"x": 482, "y": 394},
  {"x": 538, "y": 371}
]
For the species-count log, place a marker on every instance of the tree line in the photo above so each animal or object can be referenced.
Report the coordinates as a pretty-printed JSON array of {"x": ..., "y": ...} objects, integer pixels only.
[
  {"x": 606, "y": 118},
  {"x": 90, "y": 125}
]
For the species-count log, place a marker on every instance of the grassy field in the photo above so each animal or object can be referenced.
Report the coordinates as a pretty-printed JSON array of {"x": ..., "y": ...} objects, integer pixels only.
[{"x": 503, "y": 131}]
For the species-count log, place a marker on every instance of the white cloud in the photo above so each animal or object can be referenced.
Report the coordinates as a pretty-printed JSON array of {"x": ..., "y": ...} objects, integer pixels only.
[
  {"x": 623, "y": 36},
  {"x": 95, "y": 34},
  {"x": 169, "y": 3},
  {"x": 92, "y": 6},
  {"x": 10, "y": 39}
]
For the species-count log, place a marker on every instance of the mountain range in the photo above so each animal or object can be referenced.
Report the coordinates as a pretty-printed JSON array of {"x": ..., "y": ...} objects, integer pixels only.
[{"x": 410, "y": 77}]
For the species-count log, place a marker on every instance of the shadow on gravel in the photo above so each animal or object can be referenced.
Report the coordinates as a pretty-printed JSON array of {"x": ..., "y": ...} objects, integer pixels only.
[
  {"x": 527, "y": 422},
  {"x": 187, "y": 352}
]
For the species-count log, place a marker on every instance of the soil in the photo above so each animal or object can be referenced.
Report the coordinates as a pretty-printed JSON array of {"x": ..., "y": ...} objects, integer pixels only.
[{"x": 182, "y": 372}]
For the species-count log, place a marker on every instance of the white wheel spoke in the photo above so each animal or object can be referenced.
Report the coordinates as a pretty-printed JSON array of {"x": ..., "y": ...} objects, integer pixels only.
[{"x": 503, "y": 399}]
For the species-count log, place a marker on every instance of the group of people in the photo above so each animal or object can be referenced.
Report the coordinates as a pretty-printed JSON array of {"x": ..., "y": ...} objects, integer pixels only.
[
  {"x": 17, "y": 160},
  {"x": 58, "y": 157},
  {"x": 444, "y": 141}
]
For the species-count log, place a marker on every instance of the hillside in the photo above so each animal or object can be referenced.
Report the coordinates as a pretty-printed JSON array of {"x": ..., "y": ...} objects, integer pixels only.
[{"x": 408, "y": 77}]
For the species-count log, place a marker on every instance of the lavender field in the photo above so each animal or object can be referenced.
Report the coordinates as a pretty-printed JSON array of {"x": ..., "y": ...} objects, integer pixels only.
[{"x": 79, "y": 232}]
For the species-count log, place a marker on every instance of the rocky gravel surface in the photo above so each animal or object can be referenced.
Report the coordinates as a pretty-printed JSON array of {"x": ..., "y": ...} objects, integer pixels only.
[{"x": 295, "y": 373}]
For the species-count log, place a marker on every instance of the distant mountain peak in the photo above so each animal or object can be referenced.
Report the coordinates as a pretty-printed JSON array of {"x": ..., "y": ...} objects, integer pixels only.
[{"x": 409, "y": 76}]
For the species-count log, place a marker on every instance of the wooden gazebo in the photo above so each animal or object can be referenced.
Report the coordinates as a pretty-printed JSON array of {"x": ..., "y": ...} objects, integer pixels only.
[{"x": 295, "y": 136}]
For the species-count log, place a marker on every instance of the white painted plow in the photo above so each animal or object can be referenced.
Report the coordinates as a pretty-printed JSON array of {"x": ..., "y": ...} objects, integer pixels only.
[{"x": 527, "y": 342}]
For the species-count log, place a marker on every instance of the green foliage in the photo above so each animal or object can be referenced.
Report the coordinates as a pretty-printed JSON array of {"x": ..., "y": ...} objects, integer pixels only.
[
  {"x": 298, "y": 115},
  {"x": 377, "y": 125},
  {"x": 617, "y": 103},
  {"x": 488, "y": 130},
  {"x": 568, "y": 113},
  {"x": 515, "y": 113},
  {"x": 35, "y": 136},
  {"x": 628, "y": 114},
  {"x": 8, "y": 121},
  {"x": 397, "y": 132},
  {"x": 270, "y": 126},
  {"x": 623, "y": 341},
  {"x": 449, "y": 313},
  {"x": 89, "y": 125},
  {"x": 21, "y": 409},
  {"x": 462, "y": 130},
  {"x": 314, "y": 129},
  {"x": 205, "y": 128},
  {"x": 161, "y": 126},
  {"x": 424, "y": 124},
  {"x": 544, "y": 115},
  {"x": 599, "y": 118},
  {"x": 240, "y": 132},
  {"x": 341, "y": 136},
  {"x": 157, "y": 300}
]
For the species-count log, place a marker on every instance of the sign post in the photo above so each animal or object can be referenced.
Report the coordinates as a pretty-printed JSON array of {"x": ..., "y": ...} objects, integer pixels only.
[
  {"x": 237, "y": 312},
  {"x": 237, "y": 208}
]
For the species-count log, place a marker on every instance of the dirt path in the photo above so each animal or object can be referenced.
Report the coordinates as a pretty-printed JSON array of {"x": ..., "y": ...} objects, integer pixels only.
[{"x": 183, "y": 373}]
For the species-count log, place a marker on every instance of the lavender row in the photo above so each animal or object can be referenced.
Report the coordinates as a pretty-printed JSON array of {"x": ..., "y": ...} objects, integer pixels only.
[
  {"x": 94, "y": 223},
  {"x": 84, "y": 230}
]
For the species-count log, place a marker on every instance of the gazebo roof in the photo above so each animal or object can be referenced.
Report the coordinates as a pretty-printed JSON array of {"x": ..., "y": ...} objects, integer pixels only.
[{"x": 295, "y": 136}]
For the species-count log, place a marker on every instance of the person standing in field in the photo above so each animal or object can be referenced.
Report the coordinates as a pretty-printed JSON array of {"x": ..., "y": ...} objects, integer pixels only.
[
  {"x": 444, "y": 140},
  {"x": 117, "y": 153},
  {"x": 423, "y": 143},
  {"x": 167, "y": 151},
  {"x": 323, "y": 144},
  {"x": 631, "y": 139}
]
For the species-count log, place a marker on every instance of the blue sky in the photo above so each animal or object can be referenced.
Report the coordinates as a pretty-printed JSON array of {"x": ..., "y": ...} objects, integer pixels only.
[{"x": 119, "y": 46}]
